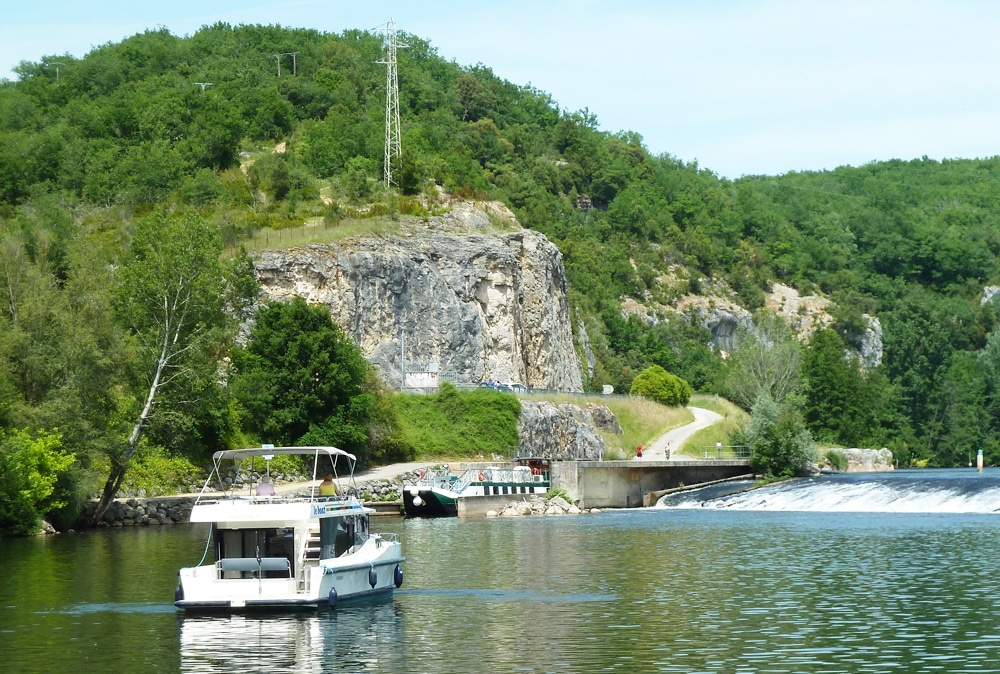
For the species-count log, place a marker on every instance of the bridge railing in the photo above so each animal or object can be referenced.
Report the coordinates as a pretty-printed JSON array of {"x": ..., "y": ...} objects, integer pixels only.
[{"x": 720, "y": 451}]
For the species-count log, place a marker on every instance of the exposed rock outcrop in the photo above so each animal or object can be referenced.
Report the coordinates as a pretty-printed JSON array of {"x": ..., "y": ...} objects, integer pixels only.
[
  {"x": 563, "y": 432},
  {"x": 866, "y": 460},
  {"x": 469, "y": 306},
  {"x": 604, "y": 419},
  {"x": 870, "y": 352},
  {"x": 804, "y": 313}
]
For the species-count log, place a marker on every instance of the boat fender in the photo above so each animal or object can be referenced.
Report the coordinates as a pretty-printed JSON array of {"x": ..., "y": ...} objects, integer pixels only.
[
  {"x": 332, "y": 597},
  {"x": 372, "y": 577},
  {"x": 397, "y": 576}
]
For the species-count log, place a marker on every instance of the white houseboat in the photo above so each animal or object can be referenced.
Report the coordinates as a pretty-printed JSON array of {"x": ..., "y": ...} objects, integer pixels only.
[{"x": 275, "y": 551}]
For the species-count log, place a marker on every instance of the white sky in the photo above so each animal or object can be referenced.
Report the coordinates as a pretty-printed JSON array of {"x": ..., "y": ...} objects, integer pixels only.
[{"x": 741, "y": 86}]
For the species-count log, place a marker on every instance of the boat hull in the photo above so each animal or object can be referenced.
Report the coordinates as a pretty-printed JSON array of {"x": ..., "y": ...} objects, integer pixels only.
[
  {"x": 424, "y": 501},
  {"x": 429, "y": 502},
  {"x": 201, "y": 588}
]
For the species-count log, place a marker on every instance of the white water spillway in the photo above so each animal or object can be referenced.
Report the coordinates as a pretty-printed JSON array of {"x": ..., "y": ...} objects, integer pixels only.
[{"x": 904, "y": 491}]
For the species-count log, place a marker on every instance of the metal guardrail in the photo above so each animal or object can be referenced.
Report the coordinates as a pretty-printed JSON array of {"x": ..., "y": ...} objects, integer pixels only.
[{"x": 726, "y": 451}]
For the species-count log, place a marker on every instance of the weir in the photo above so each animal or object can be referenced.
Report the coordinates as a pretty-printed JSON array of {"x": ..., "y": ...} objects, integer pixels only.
[
  {"x": 956, "y": 490},
  {"x": 625, "y": 484}
]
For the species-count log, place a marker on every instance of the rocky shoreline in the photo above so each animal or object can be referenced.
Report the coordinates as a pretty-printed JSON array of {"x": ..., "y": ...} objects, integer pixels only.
[
  {"x": 537, "y": 505},
  {"x": 138, "y": 511}
]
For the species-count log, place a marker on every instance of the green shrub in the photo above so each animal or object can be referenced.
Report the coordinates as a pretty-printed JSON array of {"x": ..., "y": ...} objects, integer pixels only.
[
  {"x": 836, "y": 459},
  {"x": 779, "y": 442},
  {"x": 657, "y": 384},
  {"x": 29, "y": 470},
  {"x": 459, "y": 424},
  {"x": 158, "y": 473},
  {"x": 562, "y": 493}
]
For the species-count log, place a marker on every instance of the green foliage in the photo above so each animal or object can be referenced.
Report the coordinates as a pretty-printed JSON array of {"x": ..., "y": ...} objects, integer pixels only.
[
  {"x": 558, "y": 493},
  {"x": 657, "y": 384},
  {"x": 29, "y": 471},
  {"x": 172, "y": 293},
  {"x": 125, "y": 132},
  {"x": 766, "y": 362},
  {"x": 843, "y": 403},
  {"x": 779, "y": 442},
  {"x": 300, "y": 380},
  {"x": 835, "y": 459},
  {"x": 156, "y": 473},
  {"x": 459, "y": 424}
]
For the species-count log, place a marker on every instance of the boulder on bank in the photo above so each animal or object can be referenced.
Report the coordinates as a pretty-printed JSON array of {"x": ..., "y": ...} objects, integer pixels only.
[
  {"x": 538, "y": 505},
  {"x": 865, "y": 460}
]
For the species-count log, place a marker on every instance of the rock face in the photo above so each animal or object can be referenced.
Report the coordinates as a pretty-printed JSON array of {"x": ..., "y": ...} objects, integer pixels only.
[
  {"x": 564, "y": 432},
  {"x": 866, "y": 460},
  {"x": 871, "y": 343},
  {"x": 468, "y": 306}
]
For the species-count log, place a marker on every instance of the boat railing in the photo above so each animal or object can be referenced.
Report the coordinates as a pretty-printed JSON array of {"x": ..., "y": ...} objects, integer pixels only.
[
  {"x": 301, "y": 496},
  {"x": 457, "y": 481}
]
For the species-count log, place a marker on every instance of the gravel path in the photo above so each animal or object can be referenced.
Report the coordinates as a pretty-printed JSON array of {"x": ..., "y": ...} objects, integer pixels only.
[{"x": 675, "y": 438}]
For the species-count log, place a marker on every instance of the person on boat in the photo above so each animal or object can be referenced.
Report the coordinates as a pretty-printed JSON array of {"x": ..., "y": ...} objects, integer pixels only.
[
  {"x": 265, "y": 488},
  {"x": 328, "y": 487}
]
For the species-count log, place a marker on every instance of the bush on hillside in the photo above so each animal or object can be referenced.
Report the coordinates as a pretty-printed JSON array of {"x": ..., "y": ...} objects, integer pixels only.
[{"x": 657, "y": 384}]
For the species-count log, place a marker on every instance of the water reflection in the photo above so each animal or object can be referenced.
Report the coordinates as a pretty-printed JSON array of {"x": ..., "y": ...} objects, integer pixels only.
[
  {"x": 350, "y": 639},
  {"x": 666, "y": 590}
]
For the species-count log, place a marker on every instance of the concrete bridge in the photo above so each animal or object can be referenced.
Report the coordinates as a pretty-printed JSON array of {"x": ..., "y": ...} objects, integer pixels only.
[{"x": 624, "y": 484}]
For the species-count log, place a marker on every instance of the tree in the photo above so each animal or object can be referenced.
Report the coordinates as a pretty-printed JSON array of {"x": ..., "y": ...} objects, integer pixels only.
[
  {"x": 657, "y": 384},
  {"x": 837, "y": 405},
  {"x": 172, "y": 294},
  {"x": 29, "y": 470},
  {"x": 300, "y": 379},
  {"x": 766, "y": 361},
  {"x": 779, "y": 442}
]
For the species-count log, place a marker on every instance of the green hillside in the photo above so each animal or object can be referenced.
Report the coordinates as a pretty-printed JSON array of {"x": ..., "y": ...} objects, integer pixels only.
[{"x": 158, "y": 127}]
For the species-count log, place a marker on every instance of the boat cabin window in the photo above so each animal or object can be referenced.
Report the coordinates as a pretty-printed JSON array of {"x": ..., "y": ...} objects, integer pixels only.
[
  {"x": 254, "y": 543},
  {"x": 338, "y": 534}
]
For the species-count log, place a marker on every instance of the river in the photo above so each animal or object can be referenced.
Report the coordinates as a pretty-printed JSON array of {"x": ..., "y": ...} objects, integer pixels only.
[{"x": 670, "y": 589}]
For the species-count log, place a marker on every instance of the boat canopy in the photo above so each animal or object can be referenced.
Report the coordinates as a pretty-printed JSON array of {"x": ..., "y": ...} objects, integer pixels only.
[
  {"x": 332, "y": 453},
  {"x": 240, "y": 454}
]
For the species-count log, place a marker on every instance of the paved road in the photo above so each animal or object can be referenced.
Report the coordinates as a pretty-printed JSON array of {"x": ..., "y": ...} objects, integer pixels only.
[{"x": 657, "y": 451}]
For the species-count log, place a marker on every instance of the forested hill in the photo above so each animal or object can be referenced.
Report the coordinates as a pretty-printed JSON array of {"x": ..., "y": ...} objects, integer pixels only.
[{"x": 160, "y": 122}]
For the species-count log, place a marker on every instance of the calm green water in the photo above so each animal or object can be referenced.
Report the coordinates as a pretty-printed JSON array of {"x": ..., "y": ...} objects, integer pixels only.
[{"x": 629, "y": 591}]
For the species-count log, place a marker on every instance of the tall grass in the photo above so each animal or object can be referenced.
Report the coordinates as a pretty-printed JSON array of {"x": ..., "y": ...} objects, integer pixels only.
[
  {"x": 318, "y": 231},
  {"x": 459, "y": 424},
  {"x": 704, "y": 441}
]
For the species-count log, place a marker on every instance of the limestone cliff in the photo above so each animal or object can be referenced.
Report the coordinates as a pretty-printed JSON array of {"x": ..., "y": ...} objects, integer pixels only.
[
  {"x": 468, "y": 305},
  {"x": 564, "y": 432}
]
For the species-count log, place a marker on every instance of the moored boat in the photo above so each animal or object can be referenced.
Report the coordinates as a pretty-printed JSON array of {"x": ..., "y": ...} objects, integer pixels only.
[
  {"x": 297, "y": 550},
  {"x": 437, "y": 492}
]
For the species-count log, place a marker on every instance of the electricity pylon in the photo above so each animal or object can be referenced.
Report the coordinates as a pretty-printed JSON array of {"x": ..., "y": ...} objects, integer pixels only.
[{"x": 393, "y": 145}]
